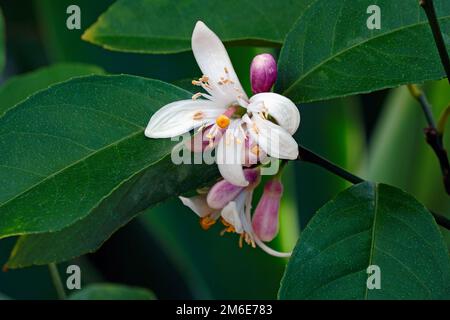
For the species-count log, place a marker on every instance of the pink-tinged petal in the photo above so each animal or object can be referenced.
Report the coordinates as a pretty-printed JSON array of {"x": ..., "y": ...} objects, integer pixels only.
[
  {"x": 223, "y": 191},
  {"x": 283, "y": 110},
  {"x": 198, "y": 204},
  {"x": 182, "y": 116},
  {"x": 263, "y": 73},
  {"x": 265, "y": 219}
]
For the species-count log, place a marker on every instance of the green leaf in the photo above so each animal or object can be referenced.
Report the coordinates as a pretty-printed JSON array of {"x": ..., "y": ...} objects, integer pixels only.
[
  {"x": 79, "y": 146},
  {"x": 391, "y": 153},
  {"x": 2, "y": 42},
  {"x": 147, "y": 26},
  {"x": 22, "y": 86},
  {"x": 340, "y": 56},
  {"x": 369, "y": 224},
  {"x": 110, "y": 291}
]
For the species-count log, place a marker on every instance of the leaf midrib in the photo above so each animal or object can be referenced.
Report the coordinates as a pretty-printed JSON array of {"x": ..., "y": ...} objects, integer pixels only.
[
  {"x": 312, "y": 70},
  {"x": 56, "y": 173},
  {"x": 372, "y": 243}
]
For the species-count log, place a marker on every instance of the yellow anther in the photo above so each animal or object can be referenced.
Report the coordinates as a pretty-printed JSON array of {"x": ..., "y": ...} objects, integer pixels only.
[
  {"x": 223, "y": 121},
  {"x": 255, "y": 128},
  {"x": 207, "y": 222},
  {"x": 228, "y": 227},
  {"x": 255, "y": 150},
  {"x": 198, "y": 115}
]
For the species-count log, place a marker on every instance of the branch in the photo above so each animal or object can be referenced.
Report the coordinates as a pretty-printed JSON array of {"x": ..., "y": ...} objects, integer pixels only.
[
  {"x": 433, "y": 136},
  {"x": 428, "y": 7},
  {"x": 307, "y": 155}
]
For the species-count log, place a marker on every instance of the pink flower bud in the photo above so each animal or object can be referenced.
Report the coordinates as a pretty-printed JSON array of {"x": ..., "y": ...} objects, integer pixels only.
[
  {"x": 263, "y": 73},
  {"x": 223, "y": 191},
  {"x": 265, "y": 219}
]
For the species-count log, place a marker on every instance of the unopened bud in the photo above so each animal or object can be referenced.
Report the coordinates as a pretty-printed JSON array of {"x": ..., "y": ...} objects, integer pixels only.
[
  {"x": 263, "y": 73},
  {"x": 265, "y": 219}
]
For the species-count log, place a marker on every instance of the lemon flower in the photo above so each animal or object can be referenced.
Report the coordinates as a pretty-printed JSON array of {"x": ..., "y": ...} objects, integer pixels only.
[{"x": 265, "y": 127}]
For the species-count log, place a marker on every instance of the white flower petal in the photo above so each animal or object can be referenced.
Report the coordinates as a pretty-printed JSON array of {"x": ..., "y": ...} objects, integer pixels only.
[
  {"x": 197, "y": 204},
  {"x": 232, "y": 212},
  {"x": 214, "y": 62},
  {"x": 230, "y": 155},
  {"x": 272, "y": 138},
  {"x": 180, "y": 117},
  {"x": 283, "y": 110}
]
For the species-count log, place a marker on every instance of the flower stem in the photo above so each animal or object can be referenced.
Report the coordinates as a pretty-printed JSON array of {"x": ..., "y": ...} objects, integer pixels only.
[
  {"x": 428, "y": 7},
  {"x": 56, "y": 279},
  {"x": 311, "y": 157}
]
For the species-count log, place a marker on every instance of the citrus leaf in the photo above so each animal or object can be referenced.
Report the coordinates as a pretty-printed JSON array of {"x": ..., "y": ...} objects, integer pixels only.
[
  {"x": 148, "y": 26},
  {"x": 22, "y": 86},
  {"x": 68, "y": 148},
  {"x": 111, "y": 291},
  {"x": 341, "y": 56},
  {"x": 369, "y": 224},
  {"x": 2, "y": 42}
]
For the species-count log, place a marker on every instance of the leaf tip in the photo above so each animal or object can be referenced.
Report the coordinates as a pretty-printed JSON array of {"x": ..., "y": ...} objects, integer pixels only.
[{"x": 88, "y": 35}]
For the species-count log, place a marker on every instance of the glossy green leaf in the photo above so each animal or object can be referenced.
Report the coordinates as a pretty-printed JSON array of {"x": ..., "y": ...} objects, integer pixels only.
[
  {"x": 369, "y": 224},
  {"x": 22, "y": 86},
  {"x": 2, "y": 42},
  {"x": 110, "y": 291},
  {"x": 341, "y": 56},
  {"x": 148, "y": 26},
  {"x": 80, "y": 142},
  {"x": 409, "y": 163}
]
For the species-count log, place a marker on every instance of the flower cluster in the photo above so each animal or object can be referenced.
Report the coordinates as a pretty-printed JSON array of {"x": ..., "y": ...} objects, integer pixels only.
[{"x": 243, "y": 131}]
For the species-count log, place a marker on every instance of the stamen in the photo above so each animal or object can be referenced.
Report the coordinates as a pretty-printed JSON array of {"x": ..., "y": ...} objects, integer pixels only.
[
  {"x": 196, "y": 96},
  {"x": 255, "y": 150},
  {"x": 255, "y": 128},
  {"x": 223, "y": 121},
  {"x": 229, "y": 227},
  {"x": 271, "y": 251},
  {"x": 207, "y": 222},
  {"x": 203, "y": 190},
  {"x": 198, "y": 115},
  {"x": 226, "y": 70}
]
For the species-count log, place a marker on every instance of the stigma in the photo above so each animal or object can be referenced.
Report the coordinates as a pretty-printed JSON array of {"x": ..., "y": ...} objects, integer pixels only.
[{"x": 222, "y": 121}]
